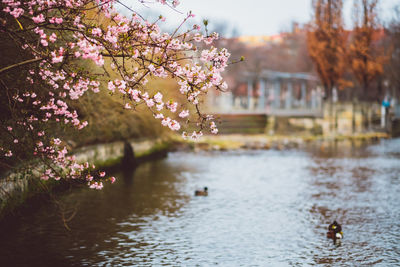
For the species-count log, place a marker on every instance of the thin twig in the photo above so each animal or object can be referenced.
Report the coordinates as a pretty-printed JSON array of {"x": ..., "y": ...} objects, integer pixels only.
[{"x": 26, "y": 62}]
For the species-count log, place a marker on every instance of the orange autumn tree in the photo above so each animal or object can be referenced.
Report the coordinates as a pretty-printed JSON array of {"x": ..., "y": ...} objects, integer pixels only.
[
  {"x": 366, "y": 58},
  {"x": 326, "y": 44}
]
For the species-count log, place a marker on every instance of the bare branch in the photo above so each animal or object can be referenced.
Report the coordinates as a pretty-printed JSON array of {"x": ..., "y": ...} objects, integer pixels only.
[{"x": 26, "y": 62}]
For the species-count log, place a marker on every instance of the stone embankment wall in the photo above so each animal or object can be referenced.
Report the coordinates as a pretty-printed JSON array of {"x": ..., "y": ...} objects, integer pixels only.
[
  {"x": 17, "y": 187},
  {"x": 105, "y": 155}
]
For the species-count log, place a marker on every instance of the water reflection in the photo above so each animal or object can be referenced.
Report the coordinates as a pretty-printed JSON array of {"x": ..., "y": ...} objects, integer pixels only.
[
  {"x": 264, "y": 208},
  {"x": 350, "y": 190}
]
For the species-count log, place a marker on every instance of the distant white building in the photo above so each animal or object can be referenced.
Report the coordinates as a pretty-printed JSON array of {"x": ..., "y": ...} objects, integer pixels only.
[{"x": 272, "y": 93}]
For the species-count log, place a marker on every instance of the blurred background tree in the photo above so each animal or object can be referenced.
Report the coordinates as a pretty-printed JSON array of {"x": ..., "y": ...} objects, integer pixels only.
[
  {"x": 365, "y": 54},
  {"x": 326, "y": 46},
  {"x": 392, "y": 68}
]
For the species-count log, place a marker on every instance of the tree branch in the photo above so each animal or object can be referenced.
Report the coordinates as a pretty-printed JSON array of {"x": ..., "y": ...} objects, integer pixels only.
[{"x": 29, "y": 61}]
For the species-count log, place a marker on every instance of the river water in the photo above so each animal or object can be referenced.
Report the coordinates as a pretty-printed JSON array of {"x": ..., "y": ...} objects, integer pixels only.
[{"x": 265, "y": 208}]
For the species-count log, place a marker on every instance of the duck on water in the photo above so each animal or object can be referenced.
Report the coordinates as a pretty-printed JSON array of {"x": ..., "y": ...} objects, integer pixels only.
[
  {"x": 203, "y": 192},
  {"x": 334, "y": 232}
]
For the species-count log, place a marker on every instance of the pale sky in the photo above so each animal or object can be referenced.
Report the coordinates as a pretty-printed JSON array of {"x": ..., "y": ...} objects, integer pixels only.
[{"x": 251, "y": 17}]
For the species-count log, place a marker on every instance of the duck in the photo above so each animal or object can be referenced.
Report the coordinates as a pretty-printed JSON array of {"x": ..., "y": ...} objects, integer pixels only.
[
  {"x": 334, "y": 232},
  {"x": 203, "y": 192}
]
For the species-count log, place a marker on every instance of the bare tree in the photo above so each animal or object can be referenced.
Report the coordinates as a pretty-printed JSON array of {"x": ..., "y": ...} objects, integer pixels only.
[{"x": 392, "y": 69}]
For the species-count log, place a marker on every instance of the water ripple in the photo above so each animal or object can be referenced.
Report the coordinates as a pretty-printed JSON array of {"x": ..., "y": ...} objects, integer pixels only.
[{"x": 265, "y": 208}]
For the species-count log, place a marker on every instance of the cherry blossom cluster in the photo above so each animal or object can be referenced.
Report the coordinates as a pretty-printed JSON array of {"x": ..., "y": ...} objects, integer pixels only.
[
  {"x": 65, "y": 34},
  {"x": 64, "y": 165}
]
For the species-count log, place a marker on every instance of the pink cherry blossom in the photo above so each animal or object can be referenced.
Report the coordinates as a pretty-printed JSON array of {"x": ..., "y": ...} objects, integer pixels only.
[
  {"x": 184, "y": 113},
  {"x": 38, "y": 19},
  {"x": 96, "y": 32},
  {"x": 17, "y": 12},
  {"x": 174, "y": 125},
  {"x": 53, "y": 37},
  {"x": 172, "y": 106},
  {"x": 158, "y": 97},
  {"x": 136, "y": 51}
]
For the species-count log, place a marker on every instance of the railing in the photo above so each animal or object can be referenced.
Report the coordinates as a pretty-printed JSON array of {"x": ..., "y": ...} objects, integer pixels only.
[{"x": 223, "y": 105}]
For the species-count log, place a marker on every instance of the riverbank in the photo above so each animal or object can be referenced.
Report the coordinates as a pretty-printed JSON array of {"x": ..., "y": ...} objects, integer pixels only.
[
  {"x": 262, "y": 141},
  {"x": 21, "y": 191}
]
